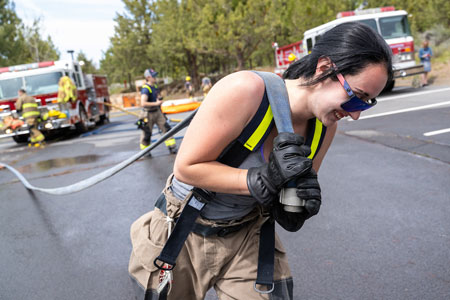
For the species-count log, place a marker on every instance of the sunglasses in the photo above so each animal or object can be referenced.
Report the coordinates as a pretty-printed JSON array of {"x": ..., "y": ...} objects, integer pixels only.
[{"x": 355, "y": 103}]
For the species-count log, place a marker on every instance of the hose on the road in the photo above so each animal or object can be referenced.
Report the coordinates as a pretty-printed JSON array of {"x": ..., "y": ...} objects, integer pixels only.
[{"x": 84, "y": 184}]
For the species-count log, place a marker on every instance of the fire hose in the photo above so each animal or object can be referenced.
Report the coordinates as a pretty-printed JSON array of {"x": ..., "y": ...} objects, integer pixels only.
[
  {"x": 84, "y": 184},
  {"x": 133, "y": 113}
]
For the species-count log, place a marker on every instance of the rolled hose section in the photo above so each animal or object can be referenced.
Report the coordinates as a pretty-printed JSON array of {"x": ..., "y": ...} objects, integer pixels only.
[{"x": 84, "y": 184}]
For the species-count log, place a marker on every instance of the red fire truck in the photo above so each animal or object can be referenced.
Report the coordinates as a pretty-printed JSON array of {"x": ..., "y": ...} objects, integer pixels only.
[
  {"x": 285, "y": 55},
  {"x": 40, "y": 80},
  {"x": 391, "y": 24}
]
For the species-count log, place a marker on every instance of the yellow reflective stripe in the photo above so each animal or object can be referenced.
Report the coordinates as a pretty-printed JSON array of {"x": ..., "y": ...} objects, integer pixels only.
[
  {"x": 148, "y": 88},
  {"x": 316, "y": 139},
  {"x": 30, "y": 114},
  {"x": 259, "y": 132},
  {"x": 38, "y": 138},
  {"x": 28, "y": 105},
  {"x": 170, "y": 142},
  {"x": 143, "y": 146}
]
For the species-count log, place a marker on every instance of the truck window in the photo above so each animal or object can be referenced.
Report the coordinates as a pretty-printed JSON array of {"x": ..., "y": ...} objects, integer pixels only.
[
  {"x": 74, "y": 79},
  {"x": 42, "y": 83},
  {"x": 394, "y": 27},
  {"x": 371, "y": 23},
  {"x": 309, "y": 45},
  {"x": 10, "y": 87},
  {"x": 78, "y": 79}
]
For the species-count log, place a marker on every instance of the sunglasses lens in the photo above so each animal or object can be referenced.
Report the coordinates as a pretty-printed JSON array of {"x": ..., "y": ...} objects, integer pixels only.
[{"x": 356, "y": 104}]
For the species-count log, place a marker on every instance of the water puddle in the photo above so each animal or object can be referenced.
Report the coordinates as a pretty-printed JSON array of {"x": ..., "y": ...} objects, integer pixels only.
[{"x": 46, "y": 165}]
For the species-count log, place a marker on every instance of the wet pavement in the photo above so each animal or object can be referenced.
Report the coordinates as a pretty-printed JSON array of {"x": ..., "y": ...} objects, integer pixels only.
[{"x": 383, "y": 231}]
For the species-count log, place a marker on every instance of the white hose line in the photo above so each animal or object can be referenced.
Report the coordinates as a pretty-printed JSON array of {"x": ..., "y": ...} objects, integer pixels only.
[{"x": 84, "y": 184}]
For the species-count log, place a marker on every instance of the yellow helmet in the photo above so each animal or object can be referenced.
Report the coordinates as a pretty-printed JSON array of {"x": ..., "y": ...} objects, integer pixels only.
[
  {"x": 292, "y": 57},
  {"x": 188, "y": 78}
]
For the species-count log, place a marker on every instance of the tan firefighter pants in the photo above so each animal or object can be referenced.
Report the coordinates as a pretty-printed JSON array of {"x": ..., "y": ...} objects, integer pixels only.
[
  {"x": 154, "y": 117},
  {"x": 228, "y": 264},
  {"x": 35, "y": 135}
]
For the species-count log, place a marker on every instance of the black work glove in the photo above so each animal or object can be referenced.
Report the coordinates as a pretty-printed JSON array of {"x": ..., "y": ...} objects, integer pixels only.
[
  {"x": 308, "y": 189},
  {"x": 287, "y": 161}
]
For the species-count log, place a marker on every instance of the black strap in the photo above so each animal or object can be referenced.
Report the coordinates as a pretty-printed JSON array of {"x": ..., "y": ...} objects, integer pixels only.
[
  {"x": 183, "y": 227},
  {"x": 266, "y": 256},
  {"x": 235, "y": 153}
]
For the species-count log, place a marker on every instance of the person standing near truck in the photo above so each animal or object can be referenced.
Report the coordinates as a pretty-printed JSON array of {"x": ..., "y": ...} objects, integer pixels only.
[
  {"x": 151, "y": 103},
  {"x": 30, "y": 112},
  {"x": 425, "y": 55}
]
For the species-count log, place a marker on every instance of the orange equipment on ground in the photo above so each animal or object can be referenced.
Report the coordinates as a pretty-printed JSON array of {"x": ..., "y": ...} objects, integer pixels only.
[{"x": 173, "y": 108}]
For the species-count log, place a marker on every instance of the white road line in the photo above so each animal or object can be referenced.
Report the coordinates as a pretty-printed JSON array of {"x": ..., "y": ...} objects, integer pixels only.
[
  {"x": 411, "y": 94},
  {"x": 436, "y": 132},
  {"x": 402, "y": 110}
]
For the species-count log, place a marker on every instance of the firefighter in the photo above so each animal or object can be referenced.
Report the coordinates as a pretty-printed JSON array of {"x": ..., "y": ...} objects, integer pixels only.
[
  {"x": 189, "y": 88},
  {"x": 228, "y": 182},
  {"x": 151, "y": 104},
  {"x": 30, "y": 112}
]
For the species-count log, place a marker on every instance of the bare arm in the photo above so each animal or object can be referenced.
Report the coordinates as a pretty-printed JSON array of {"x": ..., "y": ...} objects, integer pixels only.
[
  {"x": 224, "y": 113},
  {"x": 144, "y": 102}
]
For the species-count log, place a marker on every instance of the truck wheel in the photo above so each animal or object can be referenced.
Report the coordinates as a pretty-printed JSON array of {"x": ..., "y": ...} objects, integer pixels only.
[
  {"x": 389, "y": 86},
  {"x": 81, "y": 126},
  {"x": 20, "y": 139}
]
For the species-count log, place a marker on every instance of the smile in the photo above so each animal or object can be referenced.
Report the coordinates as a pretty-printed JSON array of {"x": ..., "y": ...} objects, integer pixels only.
[{"x": 338, "y": 115}]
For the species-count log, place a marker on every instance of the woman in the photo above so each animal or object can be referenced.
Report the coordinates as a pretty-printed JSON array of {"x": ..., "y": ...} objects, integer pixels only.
[{"x": 242, "y": 198}]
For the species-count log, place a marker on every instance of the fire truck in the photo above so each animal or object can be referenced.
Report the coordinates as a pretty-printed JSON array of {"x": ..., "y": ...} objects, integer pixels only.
[
  {"x": 40, "y": 80},
  {"x": 391, "y": 24},
  {"x": 283, "y": 55}
]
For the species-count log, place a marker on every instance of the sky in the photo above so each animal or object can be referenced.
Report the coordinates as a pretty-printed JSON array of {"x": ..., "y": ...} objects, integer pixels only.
[{"x": 79, "y": 25}]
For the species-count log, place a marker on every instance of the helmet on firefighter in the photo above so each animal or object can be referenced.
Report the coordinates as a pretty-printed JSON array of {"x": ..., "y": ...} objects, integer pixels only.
[{"x": 292, "y": 57}]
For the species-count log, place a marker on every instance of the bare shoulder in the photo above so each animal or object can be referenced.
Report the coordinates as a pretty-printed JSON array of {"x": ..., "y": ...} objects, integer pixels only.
[
  {"x": 237, "y": 95},
  {"x": 242, "y": 83}
]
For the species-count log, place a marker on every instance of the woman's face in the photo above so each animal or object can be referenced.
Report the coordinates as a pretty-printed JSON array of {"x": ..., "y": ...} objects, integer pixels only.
[{"x": 366, "y": 85}]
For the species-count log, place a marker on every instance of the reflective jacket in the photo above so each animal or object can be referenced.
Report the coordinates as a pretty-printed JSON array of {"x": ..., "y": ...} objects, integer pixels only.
[
  {"x": 66, "y": 90},
  {"x": 28, "y": 106}
]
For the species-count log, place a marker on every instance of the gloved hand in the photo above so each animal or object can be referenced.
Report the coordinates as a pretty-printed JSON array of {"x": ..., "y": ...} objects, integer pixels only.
[
  {"x": 287, "y": 161},
  {"x": 308, "y": 189}
]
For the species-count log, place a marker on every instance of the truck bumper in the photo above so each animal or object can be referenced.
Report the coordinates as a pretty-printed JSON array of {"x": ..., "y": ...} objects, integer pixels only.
[
  {"x": 43, "y": 126},
  {"x": 409, "y": 71}
]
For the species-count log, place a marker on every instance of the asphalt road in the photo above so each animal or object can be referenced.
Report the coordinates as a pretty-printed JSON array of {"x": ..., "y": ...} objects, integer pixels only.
[{"x": 383, "y": 231}]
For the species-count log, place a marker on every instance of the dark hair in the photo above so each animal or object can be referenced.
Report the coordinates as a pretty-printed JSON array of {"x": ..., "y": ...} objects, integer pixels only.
[
  {"x": 23, "y": 91},
  {"x": 350, "y": 46}
]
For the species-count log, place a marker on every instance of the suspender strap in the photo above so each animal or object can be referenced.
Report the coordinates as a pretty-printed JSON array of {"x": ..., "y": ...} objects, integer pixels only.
[
  {"x": 183, "y": 227},
  {"x": 266, "y": 256},
  {"x": 251, "y": 138},
  {"x": 279, "y": 102},
  {"x": 315, "y": 136}
]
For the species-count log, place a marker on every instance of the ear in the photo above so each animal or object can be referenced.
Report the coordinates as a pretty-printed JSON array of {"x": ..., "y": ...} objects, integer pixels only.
[{"x": 323, "y": 64}]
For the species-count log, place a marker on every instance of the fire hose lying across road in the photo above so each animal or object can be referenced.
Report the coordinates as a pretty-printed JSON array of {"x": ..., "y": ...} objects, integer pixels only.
[{"x": 84, "y": 184}]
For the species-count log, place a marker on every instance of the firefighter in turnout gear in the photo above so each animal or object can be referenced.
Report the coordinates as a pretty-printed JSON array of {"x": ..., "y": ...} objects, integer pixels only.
[
  {"x": 30, "y": 112},
  {"x": 151, "y": 114}
]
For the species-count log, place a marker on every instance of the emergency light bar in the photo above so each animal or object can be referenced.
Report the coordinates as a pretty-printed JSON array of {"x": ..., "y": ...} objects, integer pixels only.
[
  {"x": 27, "y": 66},
  {"x": 364, "y": 11}
]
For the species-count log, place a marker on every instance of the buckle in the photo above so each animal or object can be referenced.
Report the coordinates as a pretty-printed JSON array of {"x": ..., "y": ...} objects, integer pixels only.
[
  {"x": 202, "y": 195},
  {"x": 164, "y": 266},
  {"x": 264, "y": 292}
]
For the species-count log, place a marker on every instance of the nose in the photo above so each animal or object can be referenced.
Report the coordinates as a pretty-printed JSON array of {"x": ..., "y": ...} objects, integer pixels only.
[{"x": 355, "y": 115}]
